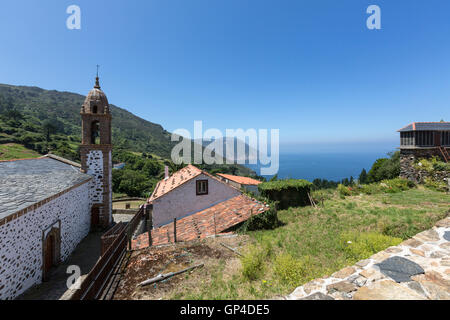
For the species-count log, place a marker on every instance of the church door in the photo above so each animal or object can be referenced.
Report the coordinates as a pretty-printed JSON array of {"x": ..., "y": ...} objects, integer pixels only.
[{"x": 51, "y": 254}]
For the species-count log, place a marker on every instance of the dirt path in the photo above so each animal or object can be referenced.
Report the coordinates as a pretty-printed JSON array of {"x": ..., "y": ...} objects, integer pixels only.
[{"x": 85, "y": 256}]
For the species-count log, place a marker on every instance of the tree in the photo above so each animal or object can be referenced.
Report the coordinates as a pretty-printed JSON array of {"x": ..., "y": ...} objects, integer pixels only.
[
  {"x": 133, "y": 183},
  {"x": 49, "y": 128},
  {"x": 363, "y": 177},
  {"x": 385, "y": 168}
]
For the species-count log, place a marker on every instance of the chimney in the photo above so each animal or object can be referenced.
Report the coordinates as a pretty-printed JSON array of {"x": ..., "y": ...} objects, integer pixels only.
[{"x": 166, "y": 173}]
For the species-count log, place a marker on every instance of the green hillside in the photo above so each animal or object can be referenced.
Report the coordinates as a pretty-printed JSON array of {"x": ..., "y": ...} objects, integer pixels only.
[
  {"x": 35, "y": 121},
  {"x": 30, "y": 108}
]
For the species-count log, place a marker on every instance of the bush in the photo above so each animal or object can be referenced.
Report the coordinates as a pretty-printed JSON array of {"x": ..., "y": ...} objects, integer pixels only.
[
  {"x": 435, "y": 185},
  {"x": 263, "y": 221},
  {"x": 253, "y": 261},
  {"x": 343, "y": 190},
  {"x": 290, "y": 270},
  {"x": 384, "y": 186},
  {"x": 360, "y": 246},
  {"x": 432, "y": 165},
  {"x": 288, "y": 193}
]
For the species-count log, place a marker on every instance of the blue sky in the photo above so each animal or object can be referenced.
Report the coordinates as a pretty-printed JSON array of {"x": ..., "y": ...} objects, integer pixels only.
[{"x": 309, "y": 68}]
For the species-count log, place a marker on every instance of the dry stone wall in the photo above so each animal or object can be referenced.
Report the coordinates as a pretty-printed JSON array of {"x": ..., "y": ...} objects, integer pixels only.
[
  {"x": 21, "y": 240},
  {"x": 408, "y": 171},
  {"x": 417, "y": 269}
]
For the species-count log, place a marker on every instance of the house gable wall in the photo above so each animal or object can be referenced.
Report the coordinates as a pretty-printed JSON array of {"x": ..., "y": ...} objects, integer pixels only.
[{"x": 183, "y": 200}]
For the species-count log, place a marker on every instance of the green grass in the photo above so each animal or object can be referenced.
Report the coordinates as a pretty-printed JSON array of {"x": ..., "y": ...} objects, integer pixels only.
[
  {"x": 314, "y": 243},
  {"x": 12, "y": 151}
]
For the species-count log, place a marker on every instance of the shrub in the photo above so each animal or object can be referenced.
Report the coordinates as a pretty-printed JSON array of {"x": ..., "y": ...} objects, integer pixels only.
[
  {"x": 435, "y": 185},
  {"x": 432, "y": 165},
  {"x": 263, "y": 221},
  {"x": 253, "y": 261},
  {"x": 288, "y": 193},
  {"x": 343, "y": 190},
  {"x": 360, "y": 246},
  {"x": 290, "y": 270}
]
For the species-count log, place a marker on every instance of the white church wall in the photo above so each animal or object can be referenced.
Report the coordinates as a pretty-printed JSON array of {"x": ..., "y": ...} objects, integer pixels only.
[{"x": 21, "y": 240}]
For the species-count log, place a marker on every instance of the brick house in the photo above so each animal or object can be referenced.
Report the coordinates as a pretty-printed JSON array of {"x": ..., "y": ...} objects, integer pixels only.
[{"x": 49, "y": 204}]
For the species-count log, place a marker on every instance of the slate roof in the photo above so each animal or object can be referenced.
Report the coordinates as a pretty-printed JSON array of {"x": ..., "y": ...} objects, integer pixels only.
[
  {"x": 239, "y": 179},
  {"x": 201, "y": 224},
  {"x": 26, "y": 182},
  {"x": 426, "y": 126}
]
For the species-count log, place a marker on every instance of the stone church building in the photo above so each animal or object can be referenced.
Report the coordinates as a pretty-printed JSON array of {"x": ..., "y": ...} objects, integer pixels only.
[{"x": 48, "y": 205}]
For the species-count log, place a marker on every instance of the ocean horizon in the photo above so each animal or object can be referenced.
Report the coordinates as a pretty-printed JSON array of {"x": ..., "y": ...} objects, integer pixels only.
[{"x": 331, "y": 166}]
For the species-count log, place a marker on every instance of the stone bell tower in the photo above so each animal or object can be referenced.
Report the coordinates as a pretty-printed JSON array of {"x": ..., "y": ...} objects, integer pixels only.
[{"x": 95, "y": 151}]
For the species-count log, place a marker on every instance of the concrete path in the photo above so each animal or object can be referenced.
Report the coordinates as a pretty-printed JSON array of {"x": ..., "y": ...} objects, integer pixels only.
[
  {"x": 417, "y": 269},
  {"x": 85, "y": 256}
]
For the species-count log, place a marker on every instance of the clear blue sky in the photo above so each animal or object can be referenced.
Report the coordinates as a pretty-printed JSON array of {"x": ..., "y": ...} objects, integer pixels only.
[{"x": 309, "y": 68}]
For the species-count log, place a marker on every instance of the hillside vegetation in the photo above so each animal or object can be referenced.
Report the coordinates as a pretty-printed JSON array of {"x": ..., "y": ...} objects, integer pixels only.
[
  {"x": 30, "y": 113},
  {"x": 10, "y": 151},
  {"x": 313, "y": 243},
  {"x": 34, "y": 121}
]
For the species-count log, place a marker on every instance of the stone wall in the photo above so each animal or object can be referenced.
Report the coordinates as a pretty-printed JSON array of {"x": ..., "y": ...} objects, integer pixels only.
[
  {"x": 21, "y": 239},
  {"x": 409, "y": 156},
  {"x": 416, "y": 269},
  {"x": 96, "y": 160}
]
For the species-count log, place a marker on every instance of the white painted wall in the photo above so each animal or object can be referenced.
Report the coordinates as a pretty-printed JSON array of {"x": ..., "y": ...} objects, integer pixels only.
[
  {"x": 183, "y": 201},
  {"x": 21, "y": 239}
]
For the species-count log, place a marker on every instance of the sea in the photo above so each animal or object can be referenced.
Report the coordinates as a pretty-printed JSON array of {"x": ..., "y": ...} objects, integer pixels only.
[{"x": 330, "y": 166}]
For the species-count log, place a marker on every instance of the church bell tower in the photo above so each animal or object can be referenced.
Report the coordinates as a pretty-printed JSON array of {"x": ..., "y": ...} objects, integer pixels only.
[{"x": 95, "y": 151}]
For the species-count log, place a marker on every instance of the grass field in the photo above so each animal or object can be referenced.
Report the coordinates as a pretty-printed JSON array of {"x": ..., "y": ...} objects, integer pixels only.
[
  {"x": 12, "y": 151},
  {"x": 312, "y": 243}
]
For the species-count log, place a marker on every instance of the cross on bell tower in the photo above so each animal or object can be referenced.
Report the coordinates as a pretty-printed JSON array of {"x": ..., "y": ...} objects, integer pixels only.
[{"x": 95, "y": 151}]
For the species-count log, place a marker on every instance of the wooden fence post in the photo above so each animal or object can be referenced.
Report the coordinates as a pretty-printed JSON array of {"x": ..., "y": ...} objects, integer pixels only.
[
  {"x": 150, "y": 223},
  {"x": 174, "y": 230}
]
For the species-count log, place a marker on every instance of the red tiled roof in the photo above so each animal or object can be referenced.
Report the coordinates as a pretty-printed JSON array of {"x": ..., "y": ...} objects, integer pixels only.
[
  {"x": 201, "y": 224},
  {"x": 175, "y": 180},
  {"x": 239, "y": 179}
]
